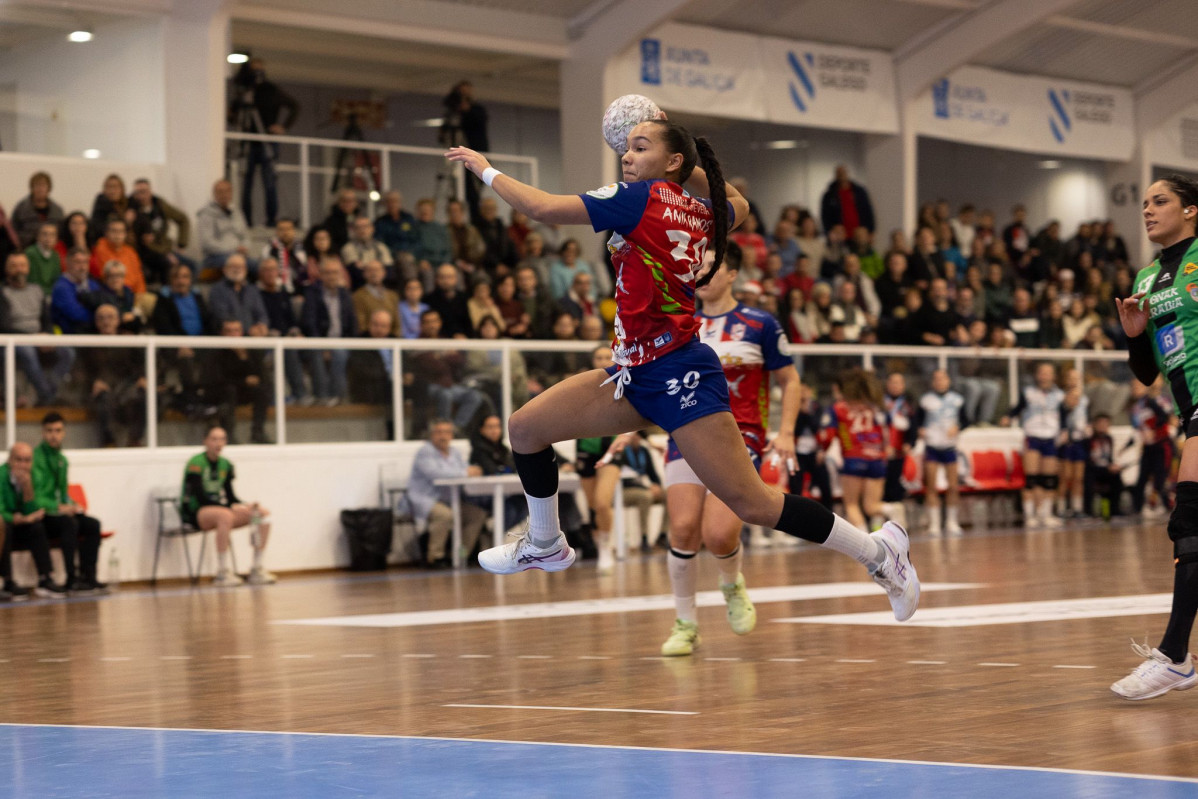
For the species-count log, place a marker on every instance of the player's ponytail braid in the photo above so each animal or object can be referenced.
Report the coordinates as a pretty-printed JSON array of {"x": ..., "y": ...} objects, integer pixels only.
[{"x": 718, "y": 195}]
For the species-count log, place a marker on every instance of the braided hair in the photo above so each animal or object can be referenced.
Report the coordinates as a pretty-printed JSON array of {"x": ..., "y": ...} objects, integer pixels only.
[{"x": 698, "y": 152}]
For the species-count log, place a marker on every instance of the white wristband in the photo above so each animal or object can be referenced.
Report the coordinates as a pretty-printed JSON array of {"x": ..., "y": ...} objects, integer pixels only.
[{"x": 489, "y": 174}]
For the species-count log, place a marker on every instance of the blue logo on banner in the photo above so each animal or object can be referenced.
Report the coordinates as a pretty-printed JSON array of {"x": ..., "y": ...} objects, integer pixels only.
[
  {"x": 800, "y": 70},
  {"x": 651, "y": 61},
  {"x": 940, "y": 98},
  {"x": 1058, "y": 120}
]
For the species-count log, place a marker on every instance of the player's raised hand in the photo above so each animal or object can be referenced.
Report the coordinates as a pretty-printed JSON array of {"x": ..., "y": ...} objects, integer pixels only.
[
  {"x": 1132, "y": 314},
  {"x": 472, "y": 160}
]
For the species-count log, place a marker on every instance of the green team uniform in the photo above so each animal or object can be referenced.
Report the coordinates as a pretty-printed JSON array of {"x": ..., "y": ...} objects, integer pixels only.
[
  {"x": 1172, "y": 304},
  {"x": 206, "y": 483}
]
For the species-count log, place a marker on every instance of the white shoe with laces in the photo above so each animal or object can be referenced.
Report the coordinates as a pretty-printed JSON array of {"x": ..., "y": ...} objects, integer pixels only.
[
  {"x": 520, "y": 554},
  {"x": 897, "y": 574},
  {"x": 1156, "y": 675},
  {"x": 606, "y": 560}
]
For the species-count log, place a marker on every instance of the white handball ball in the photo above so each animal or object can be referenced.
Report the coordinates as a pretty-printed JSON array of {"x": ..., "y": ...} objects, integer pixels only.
[{"x": 623, "y": 115}]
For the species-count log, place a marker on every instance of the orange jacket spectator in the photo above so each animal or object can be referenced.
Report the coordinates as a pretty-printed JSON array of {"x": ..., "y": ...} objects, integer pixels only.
[{"x": 104, "y": 252}]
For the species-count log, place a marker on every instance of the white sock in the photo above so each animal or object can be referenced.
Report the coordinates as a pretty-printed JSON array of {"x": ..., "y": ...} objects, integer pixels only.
[
  {"x": 848, "y": 540},
  {"x": 1045, "y": 508},
  {"x": 951, "y": 510},
  {"x": 730, "y": 566},
  {"x": 222, "y": 561},
  {"x": 257, "y": 559},
  {"x": 1078, "y": 502},
  {"x": 683, "y": 577},
  {"x": 1029, "y": 509},
  {"x": 543, "y": 525}
]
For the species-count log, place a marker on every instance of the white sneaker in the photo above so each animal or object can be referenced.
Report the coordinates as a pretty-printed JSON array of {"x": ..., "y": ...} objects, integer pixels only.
[
  {"x": 954, "y": 529},
  {"x": 1156, "y": 675},
  {"x": 521, "y": 554},
  {"x": 607, "y": 560},
  {"x": 897, "y": 573},
  {"x": 934, "y": 524},
  {"x": 260, "y": 576},
  {"x": 226, "y": 579},
  {"x": 1050, "y": 522}
]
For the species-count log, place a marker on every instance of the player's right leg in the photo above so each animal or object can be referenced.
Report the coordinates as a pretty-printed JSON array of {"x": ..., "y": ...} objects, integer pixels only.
[
  {"x": 578, "y": 407},
  {"x": 685, "y": 498},
  {"x": 931, "y": 496},
  {"x": 721, "y": 536}
]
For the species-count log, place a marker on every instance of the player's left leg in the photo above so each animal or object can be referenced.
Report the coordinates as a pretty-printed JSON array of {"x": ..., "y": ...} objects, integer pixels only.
[
  {"x": 1049, "y": 480},
  {"x": 721, "y": 536},
  {"x": 952, "y": 499},
  {"x": 685, "y": 498}
]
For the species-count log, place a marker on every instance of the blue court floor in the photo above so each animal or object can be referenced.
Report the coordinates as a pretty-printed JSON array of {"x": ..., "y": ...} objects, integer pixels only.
[{"x": 62, "y": 761}]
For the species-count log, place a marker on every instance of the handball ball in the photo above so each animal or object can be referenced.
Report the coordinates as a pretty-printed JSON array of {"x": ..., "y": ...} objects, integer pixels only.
[{"x": 623, "y": 115}]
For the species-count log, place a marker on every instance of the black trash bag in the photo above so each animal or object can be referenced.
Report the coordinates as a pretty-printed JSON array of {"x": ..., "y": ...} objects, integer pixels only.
[{"x": 368, "y": 531}]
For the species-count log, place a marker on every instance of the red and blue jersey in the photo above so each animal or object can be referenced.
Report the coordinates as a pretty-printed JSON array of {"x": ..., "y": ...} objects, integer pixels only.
[
  {"x": 661, "y": 234},
  {"x": 860, "y": 428},
  {"x": 1151, "y": 416}
]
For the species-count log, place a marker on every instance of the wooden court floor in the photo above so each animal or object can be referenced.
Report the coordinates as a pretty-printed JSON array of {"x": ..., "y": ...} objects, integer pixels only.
[{"x": 1028, "y": 692}]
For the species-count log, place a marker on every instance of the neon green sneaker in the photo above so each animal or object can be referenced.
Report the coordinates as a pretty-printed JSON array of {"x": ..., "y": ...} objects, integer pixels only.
[
  {"x": 683, "y": 640},
  {"x": 741, "y": 613}
]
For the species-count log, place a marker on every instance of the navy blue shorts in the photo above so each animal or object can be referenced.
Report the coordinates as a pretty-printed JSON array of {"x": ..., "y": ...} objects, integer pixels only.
[
  {"x": 1045, "y": 446},
  {"x": 862, "y": 467},
  {"x": 679, "y": 387},
  {"x": 948, "y": 455},
  {"x": 1074, "y": 451}
]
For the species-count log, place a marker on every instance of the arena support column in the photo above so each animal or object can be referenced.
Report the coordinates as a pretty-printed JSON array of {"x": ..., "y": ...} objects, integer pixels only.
[
  {"x": 891, "y": 174},
  {"x": 197, "y": 43}
]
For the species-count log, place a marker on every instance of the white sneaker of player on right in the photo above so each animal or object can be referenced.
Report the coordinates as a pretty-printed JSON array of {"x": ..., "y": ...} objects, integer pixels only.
[
  {"x": 897, "y": 574},
  {"x": 1156, "y": 675},
  {"x": 520, "y": 554},
  {"x": 606, "y": 559},
  {"x": 1050, "y": 521}
]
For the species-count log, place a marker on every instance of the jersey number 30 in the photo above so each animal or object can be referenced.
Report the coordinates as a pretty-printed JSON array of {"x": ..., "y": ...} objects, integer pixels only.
[{"x": 686, "y": 249}]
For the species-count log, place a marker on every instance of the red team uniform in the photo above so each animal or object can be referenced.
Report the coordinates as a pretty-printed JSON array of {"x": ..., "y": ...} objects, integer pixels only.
[{"x": 863, "y": 436}]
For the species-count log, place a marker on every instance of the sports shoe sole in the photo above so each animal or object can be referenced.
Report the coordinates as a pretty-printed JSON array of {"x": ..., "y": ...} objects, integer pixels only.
[
  {"x": 1184, "y": 685},
  {"x": 552, "y": 566}
]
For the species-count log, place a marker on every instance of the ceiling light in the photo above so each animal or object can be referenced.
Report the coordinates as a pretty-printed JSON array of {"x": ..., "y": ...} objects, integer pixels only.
[
  {"x": 80, "y": 36},
  {"x": 1049, "y": 164},
  {"x": 237, "y": 58},
  {"x": 91, "y": 153}
]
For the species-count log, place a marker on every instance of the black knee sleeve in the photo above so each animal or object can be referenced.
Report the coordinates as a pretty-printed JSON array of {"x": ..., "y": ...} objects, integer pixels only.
[
  {"x": 1031, "y": 481},
  {"x": 682, "y": 555},
  {"x": 538, "y": 472},
  {"x": 730, "y": 554},
  {"x": 1183, "y": 523},
  {"x": 805, "y": 518},
  {"x": 1049, "y": 482}
]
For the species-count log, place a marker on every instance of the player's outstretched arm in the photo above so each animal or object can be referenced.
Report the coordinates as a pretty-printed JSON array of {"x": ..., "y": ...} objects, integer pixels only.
[{"x": 553, "y": 209}]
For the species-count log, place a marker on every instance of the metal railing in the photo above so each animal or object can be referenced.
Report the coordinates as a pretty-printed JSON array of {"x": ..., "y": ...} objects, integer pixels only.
[
  {"x": 807, "y": 357},
  {"x": 306, "y": 168}
]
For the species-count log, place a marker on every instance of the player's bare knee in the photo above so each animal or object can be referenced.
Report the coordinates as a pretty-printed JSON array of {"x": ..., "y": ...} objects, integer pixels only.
[{"x": 522, "y": 433}]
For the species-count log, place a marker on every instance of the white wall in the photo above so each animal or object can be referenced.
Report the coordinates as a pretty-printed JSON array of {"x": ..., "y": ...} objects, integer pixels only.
[
  {"x": 998, "y": 179},
  {"x": 107, "y": 94},
  {"x": 77, "y": 181}
]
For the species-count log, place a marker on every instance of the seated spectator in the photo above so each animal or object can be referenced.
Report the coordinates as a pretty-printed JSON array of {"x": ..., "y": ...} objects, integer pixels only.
[
  {"x": 235, "y": 298},
  {"x": 363, "y": 248},
  {"x": 834, "y": 251},
  {"x": 548, "y": 368},
  {"x": 783, "y": 243},
  {"x": 535, "y": 257},
  {"x": 517, "y": 232},
  {"x": 866, "y": 298},
  {"x": 975, "y": 377},
  {"x": 491, "y": 456},
  {"x": 111, "y": 203},
  {"x": 411, "y": 308},
  {"x": 937, "y": 323},
  {"x": 341, "y": 217},
  {"x": 753, "y": 245},
  {"x": 328, "y": 312},
  {"x": 237, "y": 376},
  {"x": 433, "y": 244},
  {"x": 927, "y": 262},
  {"x": 538, "y": 305},
  {"x": 24, "y": 525},
  {"x": 872, "y": 264},
  {"x": 318, "y": 245},
  {"x": 1052, "y": 326},
  {"x": 499, "y": 254},
  {"x": 485, "y": 367},
  {"x": 644, "y": 490},
  {"x": 74, "y": 232},
  {"x": 1023, "y": 321},
  {"x": 963, "y": 229},
  {"x": 891, "y": 286},
  {"x": 71, "y": 298},
  {"x": 372, "y": 296},
  {"x": 45, "y": 264},
  {"x": 999, "y": 294},
  {"x": 561, "y": 274},
  {"x": 290, "y": 256},
  {"x": 25, "y": 311},
  {"x": 847, "y": 312},
  {"x": 449, "y": 301},
  {"x": 208, "y": 503},
  {"x": 281, "y": 321},
  {"x": 35, "y": 210},
  {"x": 954, "y": 259},
  {"x": 114, "y": 378},
  {"x": 152, "y": 235},
  {"x": 481, "y": 304},
  {"x": 115, "y": 247},
  {"x": 65, "y": 520},
  {"x": 965, "y": 309},
  {"x": 430, "y": 503},
  {"x": 180, "y": 311},
  {"x": 114, "y": 291},
  {"x": 467, "y": 243},
  {"x": 369, "y": 371},
  {"x": 221, "y": 229},
  {"x": 513, "y": 320},
  {"x": 795, "y": 319},
  {"x": 1048, "y": 243},
  {"x": 436, "y": 379},
  {"x": 820, "y": 312},
  {"x": 395, "y": 227},
  {"x": 1067, "y": 293},
  {"x": 580, "y": 299}
]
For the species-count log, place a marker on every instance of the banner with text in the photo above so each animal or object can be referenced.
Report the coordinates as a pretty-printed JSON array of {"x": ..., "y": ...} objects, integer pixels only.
[
  {"x": 1038, "y": 115},
  {"x": 695, "y": 70},
  {"x": 824, "y": 86}
]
